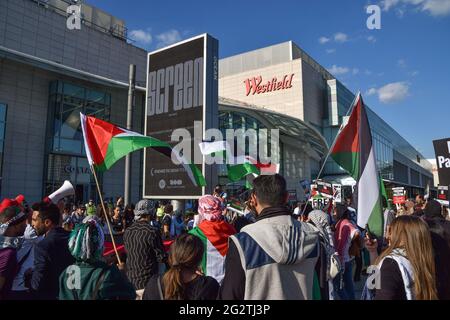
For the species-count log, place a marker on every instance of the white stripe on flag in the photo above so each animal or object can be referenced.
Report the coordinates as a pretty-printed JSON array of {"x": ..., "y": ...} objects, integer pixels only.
[
  {"x": 215, "y": 262},
  {"x": 86, "y": 146},
  {"x": 368, "y": 190},
  {"x": 215, "y": 146}
]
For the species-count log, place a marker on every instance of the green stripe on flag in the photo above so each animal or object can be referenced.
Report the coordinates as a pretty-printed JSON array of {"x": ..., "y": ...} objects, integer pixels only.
[
  {"x": 120, "y": 146},
  {"x": 375, "y": 221},
  {"x": 199, "y": 233},
  {"x": 348, "y": 161},
  {"x": 239, "y": 171},
  {"x": 123, "y": 145},
  {"x": 383, "y": 193}
]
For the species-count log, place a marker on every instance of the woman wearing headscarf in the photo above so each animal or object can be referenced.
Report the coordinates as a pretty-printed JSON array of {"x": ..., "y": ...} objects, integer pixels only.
[
  {"x": 214, "y": 232},
  {"x": 320, "y": 220},
  {"x": 90, "y": 278}
]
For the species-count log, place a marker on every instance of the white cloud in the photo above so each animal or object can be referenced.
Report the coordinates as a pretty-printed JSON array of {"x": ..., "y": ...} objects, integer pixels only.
[
  {"x": 393, "y": 92},
  {"x": 355, "y": 71},
  {"x": 371, "y": 39},
  {"x": 371, "y": 92},
  {"x": 335, "y": 70},
  {"x": 401, "y": 63},
  {"x": 433, "y": 7},
  {"x": 367, "y": 72},
  {"x": 330, "y": 51},
  {"x": 323, "y": 40},
  {"x": 168, "y": 38},
  {"x": 414, "y": 73},
  {"x": 388, "y": 4},
  {"x": 340, "y": 37},
  {"x": 437, "y": 7},
  {"x": 141, "y": 36}
]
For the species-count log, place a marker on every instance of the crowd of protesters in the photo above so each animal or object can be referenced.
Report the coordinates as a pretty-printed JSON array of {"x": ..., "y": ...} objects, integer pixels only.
[{"x": 272, "y": 251}]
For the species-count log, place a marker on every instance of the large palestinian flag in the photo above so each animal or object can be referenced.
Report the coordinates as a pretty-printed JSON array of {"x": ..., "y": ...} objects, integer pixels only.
[
  {"x": 353, "y": 151},
  {"x": 106, "y": 143},
  {"x": 214, "y": 235}
]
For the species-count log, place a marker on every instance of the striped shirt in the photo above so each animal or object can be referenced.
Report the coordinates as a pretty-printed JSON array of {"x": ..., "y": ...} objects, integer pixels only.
[{"x": 144, "y": 250}]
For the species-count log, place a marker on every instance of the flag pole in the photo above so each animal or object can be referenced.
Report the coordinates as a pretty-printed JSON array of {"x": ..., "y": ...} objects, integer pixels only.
[
  {"x": 104, "y": 212},
  {"x": 332, "y": 146}
]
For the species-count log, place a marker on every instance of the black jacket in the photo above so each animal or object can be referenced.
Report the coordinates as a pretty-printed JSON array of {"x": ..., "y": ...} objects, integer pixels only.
[
  {"x": 233, "y": 285},
  {"x": 144, "y": 251},
  {"x": 51, "y": 258},
  {"x": 440, "y": 238}
]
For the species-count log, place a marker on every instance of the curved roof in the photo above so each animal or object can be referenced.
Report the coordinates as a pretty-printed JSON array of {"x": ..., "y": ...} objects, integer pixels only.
[{"x": 288, "y": 126}]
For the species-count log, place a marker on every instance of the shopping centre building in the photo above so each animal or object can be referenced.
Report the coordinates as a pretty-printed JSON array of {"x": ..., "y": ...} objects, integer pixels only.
[{"x": 48, "y": 74}]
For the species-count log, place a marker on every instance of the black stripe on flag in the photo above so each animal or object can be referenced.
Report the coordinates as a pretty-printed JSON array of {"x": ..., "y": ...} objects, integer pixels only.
[{"x": 365, "y": 137}]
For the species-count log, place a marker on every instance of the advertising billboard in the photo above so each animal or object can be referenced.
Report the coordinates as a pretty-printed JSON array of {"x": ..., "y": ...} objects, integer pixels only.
[{"x": 182, "y": 93}]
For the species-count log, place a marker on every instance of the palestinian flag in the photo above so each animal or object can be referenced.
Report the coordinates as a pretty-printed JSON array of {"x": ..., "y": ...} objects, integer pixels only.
[
  {"x": 214, "y": 235},
  {"x": 384, "y": 193},
  {"x": 238, "y": 167},
  {"x": 353, "y": 151},
  {"x": 106, "y": 143}
]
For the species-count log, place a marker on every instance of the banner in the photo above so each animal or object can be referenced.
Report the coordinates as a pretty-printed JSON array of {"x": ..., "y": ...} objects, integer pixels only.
[
  {"x": 182, "y": 93},
  {"x": 442, "y": 151},
  {"x": 306, "y": 187},
  {"x": 337, "y": 193},
  {"x": 319, "y": 202},
  {"x": 443, "y": 195},
  {"x": 399, "y": 195},
  {"x": 324, "y": 189}
]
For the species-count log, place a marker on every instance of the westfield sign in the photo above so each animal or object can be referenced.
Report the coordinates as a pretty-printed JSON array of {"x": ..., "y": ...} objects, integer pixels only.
[{"x": 256, "y": 85}]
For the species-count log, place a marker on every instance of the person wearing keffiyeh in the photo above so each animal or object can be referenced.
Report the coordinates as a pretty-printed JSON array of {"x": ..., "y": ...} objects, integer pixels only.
[
  {"x": 214, "y": 232},
  {"x": 320, "y": 220},
  {"x": 96, "y": 280}
]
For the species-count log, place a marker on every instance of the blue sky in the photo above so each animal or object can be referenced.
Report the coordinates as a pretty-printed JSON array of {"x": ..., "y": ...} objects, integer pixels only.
[{"x": 403, "y": 69}]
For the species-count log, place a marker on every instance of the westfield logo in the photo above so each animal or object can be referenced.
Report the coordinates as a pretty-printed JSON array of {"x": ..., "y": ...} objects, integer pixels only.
[{"x": 256, "y": 85}]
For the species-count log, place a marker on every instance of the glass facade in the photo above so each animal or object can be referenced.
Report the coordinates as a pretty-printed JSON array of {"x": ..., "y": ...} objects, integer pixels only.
[
  {"x": 2, "y": 138},
  {"x": 384, "y": 155},
  {"x": 66, "y": 157}
]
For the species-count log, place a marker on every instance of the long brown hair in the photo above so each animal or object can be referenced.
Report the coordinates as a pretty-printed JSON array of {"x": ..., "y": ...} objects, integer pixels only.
[
  {"x": 411, "y": 234},
  {"x": 186, "y": 253}
]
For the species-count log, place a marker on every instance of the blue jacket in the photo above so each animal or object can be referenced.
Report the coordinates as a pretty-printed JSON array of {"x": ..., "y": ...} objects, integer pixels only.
[{"x": 51, "y": 258}]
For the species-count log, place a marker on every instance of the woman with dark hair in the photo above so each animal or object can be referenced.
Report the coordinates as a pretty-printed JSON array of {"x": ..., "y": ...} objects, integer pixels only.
[
  {"x": 183, "y": 281},
  {"x": 118, "y": 221},
  {"x": 345, "y": 233}
]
